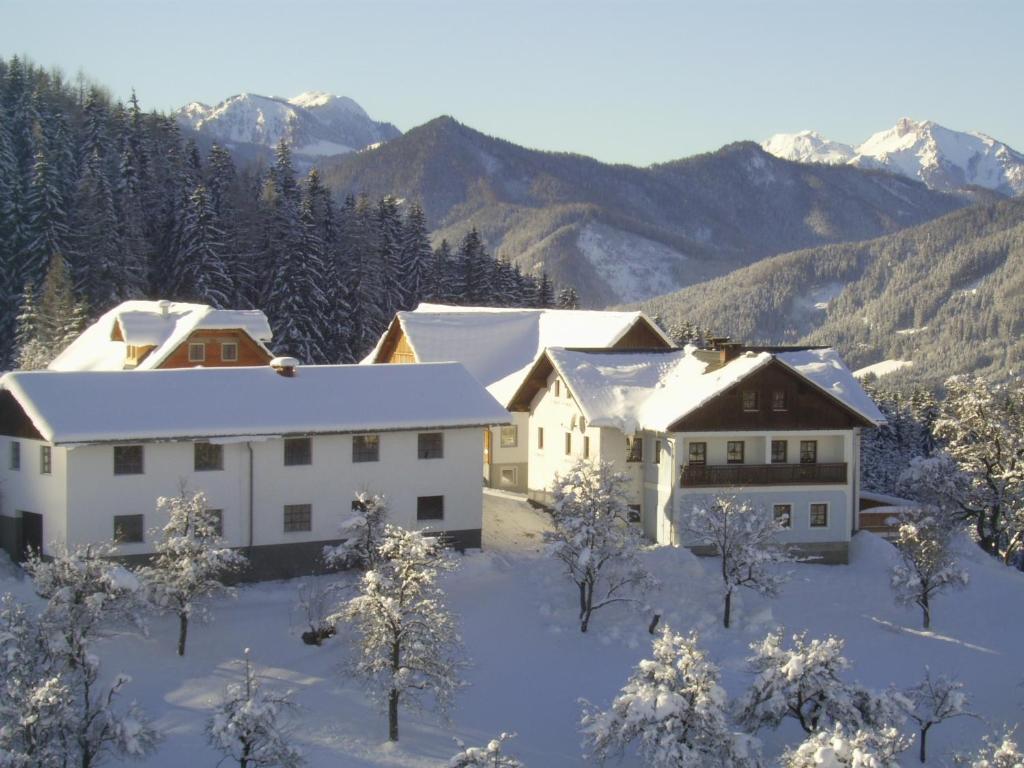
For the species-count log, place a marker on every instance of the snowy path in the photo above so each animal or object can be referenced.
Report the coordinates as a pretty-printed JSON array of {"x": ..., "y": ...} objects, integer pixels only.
[{"x": 512, "y": 525}]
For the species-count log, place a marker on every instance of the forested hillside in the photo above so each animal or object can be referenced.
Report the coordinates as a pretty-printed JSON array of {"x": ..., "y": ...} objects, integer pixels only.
[
  {"x": 947, "y": 295},
  {"x": 118, "y": 200},
  {"x": 620, "y": 233}
]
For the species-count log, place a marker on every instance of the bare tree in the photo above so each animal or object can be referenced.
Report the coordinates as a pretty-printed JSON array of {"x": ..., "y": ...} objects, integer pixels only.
[{"x": 935, "y": 700}]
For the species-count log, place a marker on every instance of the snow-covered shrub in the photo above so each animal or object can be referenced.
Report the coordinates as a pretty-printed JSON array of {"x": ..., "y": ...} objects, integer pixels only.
[
  {"x": 247, "y": 725},
  {"x": 316, "y": 600},
  {"x": 743, "y": 535},
  {"x": 1001, "y": 752},
  {"x": 593, "y": 538},
  {"x": 409, "y": 645},
  {"x": 490, "y": 756},
  {"x": 840, "y": 747},
  {"x": 927, "y": 564},
  {"x": 804, "y": 683},
  {"x": 935, "y": 700},
  {"x": 191, "y": 559},
  {"x": 675, "y": 710},
  {"x": 362, "y": 533}
]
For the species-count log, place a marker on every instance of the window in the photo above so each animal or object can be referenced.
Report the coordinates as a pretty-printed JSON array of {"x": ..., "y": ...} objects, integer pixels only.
[
  {"x": 779, "y": 400},
  {"x": 127, "y": 529},
  {"x": 229, "y": 351},
  {"x": 779, "y": 451},
  {"x": 208, "y": 457},
  {"x": 15, "y": 455},
  {"x": 633, "y": 514},
  {"x": 509, "y": 437},
  {"x": 634, "y": 449},
  {"x": 196, "y": 352},
  {"x": 508, "y": 476},
  {"x": 298, "y": 517},
  {"x": 557, "y": 387},
  {"x": 431, "y": 445},
  {"x": 568, "y": 443},
  {"x": 540, "y": 438},
  {"x": 365, "y": 448},
  {"x": 783, "y": 514},
  {"x": 808, "y": 451},
  {"x": 819, "y": 515},
  {"x": 297, "y": 451},
  {"x": 750, "y": 400},
  {"x": 698, "y": 453},
  {"x": 128, "y": 460},
  {"x": 430, "y": 508},
  {"x": 586, "y": 447},
  {"x": 656, "y": 458},
  {"x": 45, "y": 460},
  {"x": 216, "y": 517},
  {"x": 734, "y": 452}
]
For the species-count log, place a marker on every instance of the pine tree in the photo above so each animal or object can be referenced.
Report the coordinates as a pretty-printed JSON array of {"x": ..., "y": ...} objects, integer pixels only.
[
  {"x": 415, "y": 257},
  {"x": 389, "y": 244},
  {"x": 47, "y": 223},
  {"x": 568, "y": 299},
  {"x": 545, "y": 298},
  {"x": 441, "y": 275},
  {"x": 472, "y": 282},
  {"x": 95, "y": 260},
  {"x": 48, "y": 323},
  {"x": 201, "y": 269}
]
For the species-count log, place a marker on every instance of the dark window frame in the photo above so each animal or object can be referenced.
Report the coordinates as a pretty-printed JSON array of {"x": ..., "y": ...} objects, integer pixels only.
[
  {"x": 634, "y": 514},
  {"x": 365, "y": 448},
  {"x": 750, "y": 401},
  {"x": 45, "y": 460},
  {"x": 586, "y": 446},
  {"x": 207, "y": 457},
  {"x": 15, "y": 455},
  {"x": 194, "y": 345},
  {"x": 780, "y": 457},
  {"x": 780, "y": 400},
  {"x": 694, "y": 457},
  {"x": 224, "y": 346},
  {"x": 429, "y": 508},
  {"x": 656, "y": 458},
  {"x": 430, "y": 445},
  {"x": 568, "y": 443},
  {"x": 818, "y": 507},
  {"x": 634, "y": 450},
  {"x": 134, "y": 533},
  {"x": 298, "y": 518},
  {"x": 298, "y": 451},
  {"x": 788, "y": 522},
  {"x": 126, "y": 465},
  {"x": 540, "y": 438},
  {"x": 514, "y": 442},
  {"x": 731, "y": 452},
  {"x": 557, "y": 388},
  {"x": 808, "y": 451}
]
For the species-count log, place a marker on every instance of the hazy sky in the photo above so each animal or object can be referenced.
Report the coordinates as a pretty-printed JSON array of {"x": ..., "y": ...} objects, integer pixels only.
[{"x": 634, "y": 82}]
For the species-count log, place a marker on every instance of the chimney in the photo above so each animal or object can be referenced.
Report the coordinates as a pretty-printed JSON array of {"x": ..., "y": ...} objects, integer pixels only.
[
  {"x": 285, "y": 366},
  {"x": 165, "y": 306},
  {"x": 719, "y": 351}
]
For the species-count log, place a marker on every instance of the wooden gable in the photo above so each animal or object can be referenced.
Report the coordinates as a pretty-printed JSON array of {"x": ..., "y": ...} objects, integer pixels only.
[
  {"x": 641, "y": 336},
  {"x": 807, "y": 406},
  {"x": 250, "y": 352},
  {"x": 14, "y": 422},
  {"x": 395, "y": 348}
]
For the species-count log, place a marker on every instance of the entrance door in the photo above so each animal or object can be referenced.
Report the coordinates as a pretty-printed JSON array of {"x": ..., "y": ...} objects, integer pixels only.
[{"x": 31, "y": 534}]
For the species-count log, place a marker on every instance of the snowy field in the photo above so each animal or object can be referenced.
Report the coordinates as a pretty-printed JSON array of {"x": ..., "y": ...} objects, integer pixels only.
[{"x": 530, "y": 664}]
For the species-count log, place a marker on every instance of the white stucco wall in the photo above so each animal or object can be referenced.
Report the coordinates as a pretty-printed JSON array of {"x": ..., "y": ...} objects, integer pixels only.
[
  {"x": 26, "y": 490},
  {"x": 557, "y": 415},
  {"x": 95, "y": 494}
]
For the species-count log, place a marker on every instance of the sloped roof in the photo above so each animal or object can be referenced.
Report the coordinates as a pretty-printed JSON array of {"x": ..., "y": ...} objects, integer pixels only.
[
  {"x": 653, "y": 390},
  {"x": 102, "y": 406},
  {"x": 102, "y": 346},
  {"x": 499, "y": 345}
]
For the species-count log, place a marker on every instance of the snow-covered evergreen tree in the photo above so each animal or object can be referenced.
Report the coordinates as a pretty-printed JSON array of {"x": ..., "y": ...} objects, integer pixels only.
[
  {"x": 490, "y": 756},
  {"x": 389, "y": 257},
  {"x": 191, "y": 559},
  {"x": 1000, "y": 752},
  {"x": 593, "y": 538},
  {"x": 927, "y": 564},
  {"x": 804, "y": 683},
  {"x": 743, "y": 535},
  {"x": 362, "y": 533},
  {"x": 674, "y": 709},
  {"x": 982, "y": 427},
  {"x": 415, "y": 257},
  {"x": 568, "y": 299},
  {"x": 935, "y": 700},
  {"x": 472, "y": 273},
  {"x": 201, "y": 271},
  {"x": 46, "y": 219},
  {"x": 95, "y": 254},
  {"x": 409, "y": 646},
  {"x": 248, "y": 728},
  {"x": 545, "y": 297},
  {"x": 841, "y": 747},
  {"x": 439, "y": 288}
]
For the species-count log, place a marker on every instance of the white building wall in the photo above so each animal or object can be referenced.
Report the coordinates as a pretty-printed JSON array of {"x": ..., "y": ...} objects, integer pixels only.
[
  {"x": 557, "y": 415},
  {"x": 27, "y": 490}
]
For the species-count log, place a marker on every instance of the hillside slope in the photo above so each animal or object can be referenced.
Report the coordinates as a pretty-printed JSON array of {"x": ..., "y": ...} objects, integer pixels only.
[
  {"x": 621, "y": 233},
  {"x": 948, "y": 295}
]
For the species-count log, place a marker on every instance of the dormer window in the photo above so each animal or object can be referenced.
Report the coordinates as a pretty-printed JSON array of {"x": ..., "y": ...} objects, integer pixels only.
[
  {"x": 197, "y": 352},
  {"x": 229, "y": 351},
  {"x": 750, "y": 400},
  {"x": 779, "y": 400}
]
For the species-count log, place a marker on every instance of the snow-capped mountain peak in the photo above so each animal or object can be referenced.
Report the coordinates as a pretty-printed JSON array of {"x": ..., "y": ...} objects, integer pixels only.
[
  {"x": 315, "y": 123},
  {"x": 943, "y": 159}
]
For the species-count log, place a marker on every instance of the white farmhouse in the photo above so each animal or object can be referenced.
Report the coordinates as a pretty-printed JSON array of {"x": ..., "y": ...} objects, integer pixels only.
[
  {"x": 499, "y": 347},
  {"x": 279, "y": 452},
  {"x": 780, "y": 426}
]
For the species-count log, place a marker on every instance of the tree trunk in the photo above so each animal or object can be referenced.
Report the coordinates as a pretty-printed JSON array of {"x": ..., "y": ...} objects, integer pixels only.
[
  {"x": 728, "y": 608},
  {"x": 396, "y": 663},
  {"x": 922, "y": 753},
  {"x": 926, "y": 609},
  {"x": 587, "y": 606},
  {"x": 182, "y": 632},
  {"x": 583, "y": 598}
]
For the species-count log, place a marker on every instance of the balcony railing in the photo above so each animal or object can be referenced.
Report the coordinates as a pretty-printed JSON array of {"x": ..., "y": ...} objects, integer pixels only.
[{"x": 695, "y": 475}]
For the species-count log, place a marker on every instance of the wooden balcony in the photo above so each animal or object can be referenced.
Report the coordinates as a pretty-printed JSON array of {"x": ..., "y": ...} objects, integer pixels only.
[{"x": 696, "y": 476}]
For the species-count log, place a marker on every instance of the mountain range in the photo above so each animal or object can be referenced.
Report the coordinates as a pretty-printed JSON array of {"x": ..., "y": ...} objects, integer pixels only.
[
  {"x": 620, "y": 233},
  {"x": 941, "y": 158},
  {"x": 315, "y": 124}
]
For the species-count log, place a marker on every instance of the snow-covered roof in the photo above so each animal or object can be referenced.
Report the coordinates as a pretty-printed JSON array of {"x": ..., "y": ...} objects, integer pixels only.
[
  {"x": 654, "y": 390},
  {"x": 101, "y": 406},
  {"x": 163, "y": 325},
  {"x": 500, "y": 345}
]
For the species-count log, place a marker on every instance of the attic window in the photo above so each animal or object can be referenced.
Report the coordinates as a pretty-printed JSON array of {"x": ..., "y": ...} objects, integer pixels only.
[
  {"x": 634, "y": 449},
  {"x": 196, "y": 352},
  {"x": 750, "y": 400},
  {"x": 779, "y": 400},
  {"x": 557, "y": 388},
  {"x": 229, "y": 351}
]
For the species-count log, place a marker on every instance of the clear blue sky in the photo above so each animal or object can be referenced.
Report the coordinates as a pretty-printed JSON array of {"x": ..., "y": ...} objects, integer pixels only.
[{"x": 634, "y": 82}]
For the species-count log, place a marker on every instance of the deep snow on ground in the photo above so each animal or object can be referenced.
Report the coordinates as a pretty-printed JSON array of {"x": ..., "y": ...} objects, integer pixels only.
[{"x": 530, "y": 664}]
